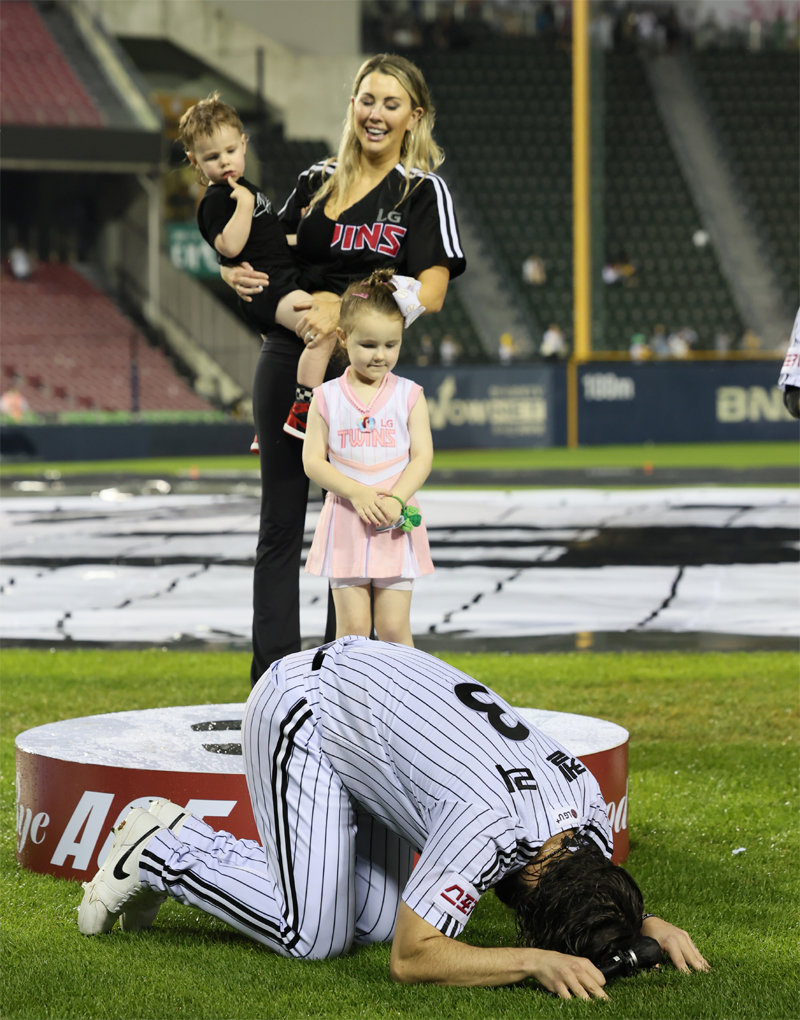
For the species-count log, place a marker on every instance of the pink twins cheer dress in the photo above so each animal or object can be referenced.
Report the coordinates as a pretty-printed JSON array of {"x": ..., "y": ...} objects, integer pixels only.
[{"x": 370, "y": 444}]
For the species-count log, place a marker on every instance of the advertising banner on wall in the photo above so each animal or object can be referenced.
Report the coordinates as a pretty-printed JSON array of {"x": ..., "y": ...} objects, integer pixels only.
[
  {"x": 681, "y": 402},
  {"x": 493, "y": 406},
  {"x": 189, "y": 252}
]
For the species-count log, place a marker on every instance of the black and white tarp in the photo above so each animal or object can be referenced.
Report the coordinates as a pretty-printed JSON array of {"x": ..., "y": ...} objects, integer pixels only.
[{"x": 513, "y": 568}]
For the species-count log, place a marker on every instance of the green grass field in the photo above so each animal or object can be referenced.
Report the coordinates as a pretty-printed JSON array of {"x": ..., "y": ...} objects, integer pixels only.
[
  {"x": 714, "y": 844},
  {"x": 737, "y": 456}
]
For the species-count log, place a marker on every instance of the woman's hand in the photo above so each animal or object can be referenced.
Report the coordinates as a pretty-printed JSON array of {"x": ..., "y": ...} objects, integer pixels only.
[
  {"x": 321, "y": 316},
  {"x": 245, "y": 280}
]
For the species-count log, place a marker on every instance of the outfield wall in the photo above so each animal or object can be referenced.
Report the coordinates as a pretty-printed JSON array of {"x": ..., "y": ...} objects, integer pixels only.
[
  {"x": 618, "y": 402},
  {"x": 681, "y": 402},
  {"x": 491, "y": 407}
]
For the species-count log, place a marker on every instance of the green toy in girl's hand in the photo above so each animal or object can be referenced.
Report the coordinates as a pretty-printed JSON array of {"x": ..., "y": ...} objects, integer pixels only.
[{"x": 411, "y": 518}]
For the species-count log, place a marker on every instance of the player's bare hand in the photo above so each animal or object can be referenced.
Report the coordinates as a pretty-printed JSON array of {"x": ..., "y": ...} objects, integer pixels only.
[
  {"x": 569, "y": 976},
  {"x": 245, "y": 280},
  {"x": 676, "y": 943}
]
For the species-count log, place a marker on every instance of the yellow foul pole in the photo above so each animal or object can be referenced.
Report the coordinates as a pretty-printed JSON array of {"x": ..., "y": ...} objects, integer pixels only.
[{"x": 581, "y": 209}]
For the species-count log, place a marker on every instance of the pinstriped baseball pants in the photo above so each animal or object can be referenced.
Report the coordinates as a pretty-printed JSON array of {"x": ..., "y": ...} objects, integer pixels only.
[{"x": 327, "y": 876}]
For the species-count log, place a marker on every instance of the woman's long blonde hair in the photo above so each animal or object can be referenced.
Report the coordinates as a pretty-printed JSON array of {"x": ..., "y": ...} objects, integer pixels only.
[{"x": 419, "y": 151}]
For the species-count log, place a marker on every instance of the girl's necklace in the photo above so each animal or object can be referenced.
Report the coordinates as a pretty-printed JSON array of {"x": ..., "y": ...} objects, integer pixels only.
[{"x": 366, "y": 422}]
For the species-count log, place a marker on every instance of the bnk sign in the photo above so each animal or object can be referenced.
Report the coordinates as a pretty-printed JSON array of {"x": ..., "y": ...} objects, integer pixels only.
[{"x": 750, "y": 403}]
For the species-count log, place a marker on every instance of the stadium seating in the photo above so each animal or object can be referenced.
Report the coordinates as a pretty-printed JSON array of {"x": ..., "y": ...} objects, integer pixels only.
[
  {"x": 504, "y": 119},
  {"x": 651, "y": 216},
  {"x": 68, "y": 347},
  {"x": 753, "y": 98},
  {"x": 284, "y": 159},
  {"x": 39, "y": 86}
]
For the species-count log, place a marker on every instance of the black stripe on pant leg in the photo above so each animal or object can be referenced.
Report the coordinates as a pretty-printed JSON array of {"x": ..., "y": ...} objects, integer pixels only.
[
  {"x": 211, "y": 892},
  {"x": 299, "y": 714}
]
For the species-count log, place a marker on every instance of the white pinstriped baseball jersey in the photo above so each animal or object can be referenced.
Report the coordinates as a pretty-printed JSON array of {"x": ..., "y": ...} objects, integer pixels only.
[
  {"x": 357, "y": 754},
  {"x": 790, "y": 369}
]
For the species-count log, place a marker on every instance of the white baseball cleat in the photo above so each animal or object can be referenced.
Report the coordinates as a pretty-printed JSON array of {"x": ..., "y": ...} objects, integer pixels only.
[
  {"x": 141, "y": 913},
  {"x": 172, "y": 816},
  {"x": 117, "y": 886}
]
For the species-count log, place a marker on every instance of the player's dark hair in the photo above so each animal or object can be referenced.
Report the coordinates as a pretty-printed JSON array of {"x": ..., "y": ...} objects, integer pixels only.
[
  {"x": 375, "y": 293},
  {"x": 582, "y": 904}
]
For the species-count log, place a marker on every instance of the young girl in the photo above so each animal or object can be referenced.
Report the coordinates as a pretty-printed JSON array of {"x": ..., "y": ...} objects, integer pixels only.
[{"x": 369, "y": 445}]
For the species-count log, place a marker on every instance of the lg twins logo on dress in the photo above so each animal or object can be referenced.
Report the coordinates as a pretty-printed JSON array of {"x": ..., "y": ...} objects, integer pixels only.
[
  {"x": 369, "y": 432},
  {"x": 457, "y": 897},
  {"x": 383, "y": 238}
]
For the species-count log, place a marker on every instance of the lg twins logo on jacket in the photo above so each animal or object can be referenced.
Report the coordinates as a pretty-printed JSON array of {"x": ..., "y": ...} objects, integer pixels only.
[{"x": 380, "y": 237}]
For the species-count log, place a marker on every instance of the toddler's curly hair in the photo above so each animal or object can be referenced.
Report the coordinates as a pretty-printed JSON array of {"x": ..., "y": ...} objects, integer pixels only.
[{"x": 203, "y": 119}]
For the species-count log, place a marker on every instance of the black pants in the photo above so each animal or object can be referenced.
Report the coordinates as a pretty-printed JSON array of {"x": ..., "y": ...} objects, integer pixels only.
[{"x": 284, "y": 494}]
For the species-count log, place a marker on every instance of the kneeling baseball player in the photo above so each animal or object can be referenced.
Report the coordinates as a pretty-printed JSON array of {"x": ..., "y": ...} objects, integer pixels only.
[{"x": 357, "y": 755}]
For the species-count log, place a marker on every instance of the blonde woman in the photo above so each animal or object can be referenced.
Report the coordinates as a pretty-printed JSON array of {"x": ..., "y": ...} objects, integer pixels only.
[{"x": 379, "y": 202}]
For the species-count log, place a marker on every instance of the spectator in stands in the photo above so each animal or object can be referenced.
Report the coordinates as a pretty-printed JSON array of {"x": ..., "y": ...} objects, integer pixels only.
[
  {"x": 611, "y": 275},
  {"x": 14, "y": 404},
  {"x": 638, "y": 348},
  {"x": 426, "y": 353},
  {"x": 449, "y": 350},
  {"x": 534, "y": 271},
  {"x": 601, "y": 28},
  {"x": 403, "y": 218},
  {"x": 659, "y": 342},
  {"x": 619, "y": 269},
  {"x": 554, "y": 343},
  {"x": 681, "y": 341},
  {"x": 649, "y": 32},
  {"x": 690, "y": 336},
  {"x": 19, "y": 262},
  {"x": 750, "y": 342},
  {"x": 506, "y": 348}
]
